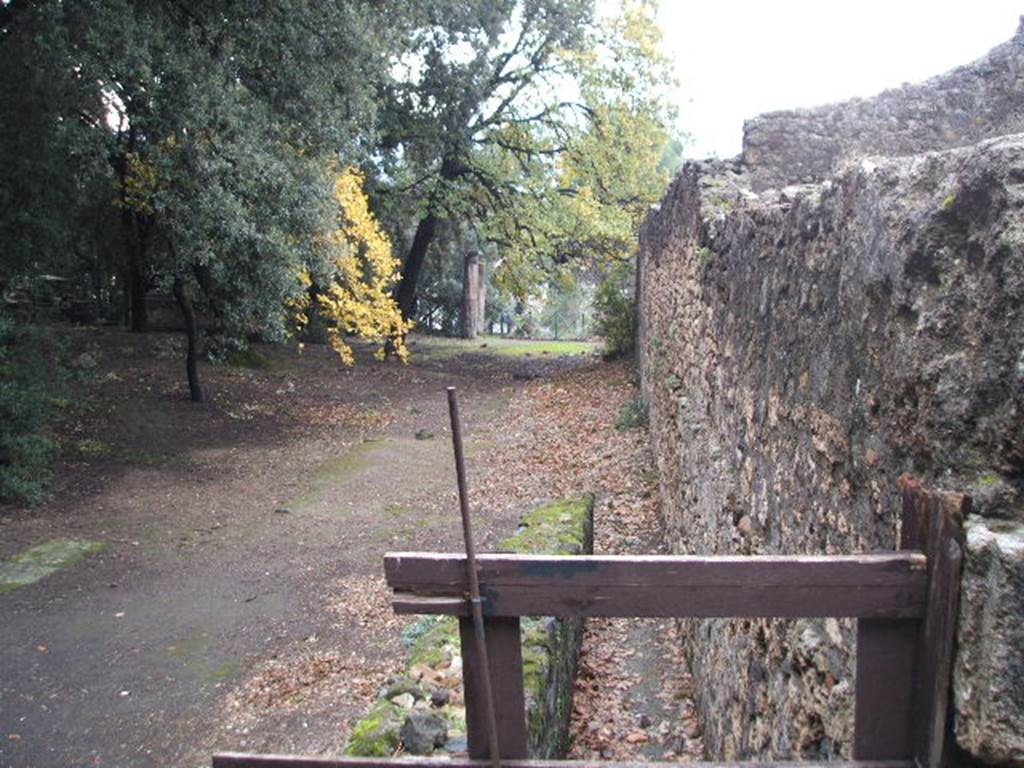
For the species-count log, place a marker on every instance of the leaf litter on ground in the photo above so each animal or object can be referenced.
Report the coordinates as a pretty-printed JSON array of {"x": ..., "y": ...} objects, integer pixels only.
[{"x": 559, "y": 438}]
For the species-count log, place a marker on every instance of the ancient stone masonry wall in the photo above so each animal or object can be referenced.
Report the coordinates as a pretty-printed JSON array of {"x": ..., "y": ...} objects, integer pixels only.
[
  {"x": 800, "y": 349},
  {"x": 973, "y": 102}
]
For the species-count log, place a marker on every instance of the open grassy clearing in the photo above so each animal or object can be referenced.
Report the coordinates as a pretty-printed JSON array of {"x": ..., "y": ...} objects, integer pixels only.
[{"x": 437, "y": 347}]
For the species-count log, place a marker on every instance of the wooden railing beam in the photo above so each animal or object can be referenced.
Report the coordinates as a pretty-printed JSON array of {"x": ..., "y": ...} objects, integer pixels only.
[
  {"x": 242, "y": 760},
  {"x": 890, "y": 585}
]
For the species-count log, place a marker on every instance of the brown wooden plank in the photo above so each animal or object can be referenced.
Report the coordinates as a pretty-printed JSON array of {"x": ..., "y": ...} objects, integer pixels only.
[
  {"x": 420, "y": 571},
  {"x": 884, "y": 688},
  {"x": 874, "y": 586},
  {"x": 705, "y": 602},
  {"x": 916, "y": 515},
  {"x": 243, "y": 760},
  {"x": 887, "y": 658},
  {"x": 505, "y": 653},
  {"x": 937, "y": 638}
]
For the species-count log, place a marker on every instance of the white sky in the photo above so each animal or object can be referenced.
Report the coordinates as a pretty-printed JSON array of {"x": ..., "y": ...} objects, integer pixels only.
[{"x": 738, "y": 58}]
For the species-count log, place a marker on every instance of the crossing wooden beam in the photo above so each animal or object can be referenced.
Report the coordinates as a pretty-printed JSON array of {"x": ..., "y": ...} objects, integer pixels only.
[{"x": 891, "y": 585}]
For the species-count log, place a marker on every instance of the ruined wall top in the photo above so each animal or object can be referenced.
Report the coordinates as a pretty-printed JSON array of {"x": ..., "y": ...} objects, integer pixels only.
[{"x": 979, "y": 100}]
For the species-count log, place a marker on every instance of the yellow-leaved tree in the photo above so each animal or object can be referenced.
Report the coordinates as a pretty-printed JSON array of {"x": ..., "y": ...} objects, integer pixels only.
[{"x": 356, "y": 299}]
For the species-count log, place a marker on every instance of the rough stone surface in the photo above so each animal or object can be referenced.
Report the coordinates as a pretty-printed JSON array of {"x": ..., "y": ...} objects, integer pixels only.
[
  {"x": 550, "y": 654},
  {"x": 989, "y": 673},
  {"x": 551, "y": 646},
  {"x": 551, "y": 650},
  {"x": 802, "y": 348},
  {"x": 423, "y": 732},
  {"x": 376, "y": 735},
  {"x": 981, "y": 100}
]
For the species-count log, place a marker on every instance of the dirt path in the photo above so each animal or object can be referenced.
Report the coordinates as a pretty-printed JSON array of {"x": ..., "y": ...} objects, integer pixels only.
[
  {"x": 565, "y": 436},
  {"x": 239, "y": 603},
  {"x": 634, "y": 692}
]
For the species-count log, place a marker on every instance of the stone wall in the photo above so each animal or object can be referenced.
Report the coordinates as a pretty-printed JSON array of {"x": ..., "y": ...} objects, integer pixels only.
[
  {"x": 981, "y": 100},
  {"x": 800, "y": 349}
]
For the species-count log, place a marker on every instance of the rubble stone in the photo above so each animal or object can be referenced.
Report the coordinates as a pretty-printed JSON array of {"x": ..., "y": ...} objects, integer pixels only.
[{"x": 802, "y": 347}]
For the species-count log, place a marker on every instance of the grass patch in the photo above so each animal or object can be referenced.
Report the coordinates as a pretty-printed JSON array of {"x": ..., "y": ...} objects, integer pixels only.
[
  {"x": 563, "y": 527},
  {"x": 334, "y": 471},
  {"x": 43, "y": 559},
  {"x": 93, "y": 449},
  {"x": 196, "y": 656},
  {"x": 250, "y": 358},
  {"x": 340, "y": 467},
  {"x": 440, "y": 348}
]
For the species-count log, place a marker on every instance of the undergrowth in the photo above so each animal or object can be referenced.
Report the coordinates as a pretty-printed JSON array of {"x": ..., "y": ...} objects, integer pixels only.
[
  {"x": 633, "y": 414},
  {"x": 27, "y": 405}
]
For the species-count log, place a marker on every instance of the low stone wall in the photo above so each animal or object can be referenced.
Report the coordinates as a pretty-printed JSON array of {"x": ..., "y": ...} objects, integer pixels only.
[
  {"x": 980, "y": 100},
  {"x": 800, "y": 349},
  {"x": 422, "y": 711}
]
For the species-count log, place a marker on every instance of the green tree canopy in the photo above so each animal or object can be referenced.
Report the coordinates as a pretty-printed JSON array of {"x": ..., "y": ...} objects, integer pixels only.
[
  {"x": 214, "y": 129},
  {"x": 539, "y": 124}
]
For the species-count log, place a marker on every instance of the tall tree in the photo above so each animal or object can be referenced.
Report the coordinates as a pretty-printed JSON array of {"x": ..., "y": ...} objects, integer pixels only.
[
  {"x": 49, "y": 152},
  {"x": 537, "y": 123},
  {"x": 219, "y": 124},
  {"x": 478, "y": 77}
]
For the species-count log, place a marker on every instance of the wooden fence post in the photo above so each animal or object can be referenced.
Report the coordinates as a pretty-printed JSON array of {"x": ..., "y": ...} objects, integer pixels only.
[
  {"x": 904, "y": 666},
  {"x": 505, "y": 653},
  {"x": 944, "y": 548},
  {"x": 886, "y": 662}
]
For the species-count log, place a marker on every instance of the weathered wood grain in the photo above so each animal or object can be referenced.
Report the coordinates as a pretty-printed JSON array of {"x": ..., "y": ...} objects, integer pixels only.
[
  {"x": 936, "y": 641},
  {"x": 884, "y": 688},
  {"x": 505, "y": 653},
  {"x": 887, "y": 660},
  {"x": 241, "y": 760},
  {"x": 890, "y": 585}
]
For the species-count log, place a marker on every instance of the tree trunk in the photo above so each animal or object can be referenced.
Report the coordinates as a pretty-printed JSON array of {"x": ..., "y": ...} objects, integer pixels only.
[
  {"x": 185, "y": 304},
  {"x": 451, "y": 169},
  {"x": 425, "y": 231},
  {"x": 472, "y": 315},
  {"x": 134, "y": 235},
  {"x": 137, "y": 314}
]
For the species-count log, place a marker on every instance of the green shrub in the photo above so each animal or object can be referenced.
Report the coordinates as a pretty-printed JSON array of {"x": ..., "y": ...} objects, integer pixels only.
[
  {"x": 615, "y": 310},
  {"x": 633, "y": 414},
  {"x": 26, "y": 449},
  {"x": 249, "y": 358}
]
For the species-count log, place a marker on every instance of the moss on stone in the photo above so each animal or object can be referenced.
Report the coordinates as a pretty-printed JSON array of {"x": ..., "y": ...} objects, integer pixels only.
[
  {"x": 550, "y": 647},
  {"x": 430, "y": 648},
  {"x": 43, "y": 559},
  {"x": 376, "y": 735},
  {"x": 562, "y": 527},
  {"x": 405, "y": 684},
  {"x": 536, "y": 666},
  {"x": 454, "y": 716}
]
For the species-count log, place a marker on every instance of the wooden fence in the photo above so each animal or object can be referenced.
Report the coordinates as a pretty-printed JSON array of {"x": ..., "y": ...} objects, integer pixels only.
[{"x": 905, "y": 604}]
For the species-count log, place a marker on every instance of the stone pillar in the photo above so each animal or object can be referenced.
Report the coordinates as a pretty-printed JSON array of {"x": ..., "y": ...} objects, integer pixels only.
[
  {"x": 474, "y": 294},
  {"x": 481, "y": 304}
]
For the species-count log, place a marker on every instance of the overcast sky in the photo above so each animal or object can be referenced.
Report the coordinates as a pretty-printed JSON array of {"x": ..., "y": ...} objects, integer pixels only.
[{"x": 738, "y": 58}]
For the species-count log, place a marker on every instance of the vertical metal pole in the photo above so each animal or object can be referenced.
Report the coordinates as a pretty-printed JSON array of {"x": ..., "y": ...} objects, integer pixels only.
[{"x": 475, "y": 602}]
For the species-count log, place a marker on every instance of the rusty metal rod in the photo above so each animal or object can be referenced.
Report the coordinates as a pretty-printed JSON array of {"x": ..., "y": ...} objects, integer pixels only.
[{"x": 475, "y": 601}]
